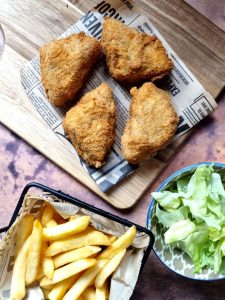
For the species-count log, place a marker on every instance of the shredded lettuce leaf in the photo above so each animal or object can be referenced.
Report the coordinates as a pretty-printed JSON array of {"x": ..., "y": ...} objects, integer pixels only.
[
  {"x": 179, "y": 231},
  {"x": 192, "y": 213},
  {"x": 168, "y": 200},
  {"x": 169, "y": 218}
]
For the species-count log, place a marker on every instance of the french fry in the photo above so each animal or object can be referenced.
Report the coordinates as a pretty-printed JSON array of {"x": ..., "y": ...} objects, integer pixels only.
[
  {"x": 46, "y": 292},
  {"x": 47, "y": 287},
  {"x": 107, "y": 285},
  {"x": 68, "y": 271},
  {"x": 102, "y": 293},
  {"x": 89, "y": 293},
  {"x": 109, "y": 268},
  {"x": 47, "y": 215},
  {"x": 47, "y": 263},
  {"x": 85, "y": 238},
  {"x": 92, "y": 283},
  {"x": 40, "y": 274},
  {"x": 84, "y": 281},
  {"x": 67, "y": 229},
  {"x": 123, "y": 242},
  {"x": 74, "y": 217},
  {"x": 24, "y": 230},
  {"x": 18, "y": 290},
  {"x": 74, "y": 255},
  {"x": 61, "y": 256},
  {"x": 34, "y": 253},
  {"x": 51, "y": 223},
  {"x": 59, "y": 290},
  {"x": 112, "y": 238}
]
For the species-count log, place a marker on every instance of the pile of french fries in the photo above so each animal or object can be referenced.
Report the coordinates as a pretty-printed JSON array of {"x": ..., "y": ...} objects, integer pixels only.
[{"x": 69, "y": 259}]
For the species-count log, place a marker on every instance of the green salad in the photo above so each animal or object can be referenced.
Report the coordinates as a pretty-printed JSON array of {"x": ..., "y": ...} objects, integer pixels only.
[{"x": 192, "y": 214}]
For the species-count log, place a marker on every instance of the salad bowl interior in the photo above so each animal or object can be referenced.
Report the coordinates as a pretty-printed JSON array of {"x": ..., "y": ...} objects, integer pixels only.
[{"x": 176, "y": 259}]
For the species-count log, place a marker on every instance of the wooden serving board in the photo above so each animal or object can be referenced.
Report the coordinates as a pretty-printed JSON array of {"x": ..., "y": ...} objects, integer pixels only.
[{"x": 29, "y": 24}]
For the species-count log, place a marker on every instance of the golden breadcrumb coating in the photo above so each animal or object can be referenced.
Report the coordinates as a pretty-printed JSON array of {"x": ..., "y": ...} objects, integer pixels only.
[
  {"x": 133, "y": 56},
  {"x": 65, "y": 65},
  {"x": 90, "y": 125},
  {"x": 152, "y": 123}
]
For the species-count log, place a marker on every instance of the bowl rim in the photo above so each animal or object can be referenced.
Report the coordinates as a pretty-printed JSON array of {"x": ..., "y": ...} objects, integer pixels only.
[{"x": 162, "y": 185}]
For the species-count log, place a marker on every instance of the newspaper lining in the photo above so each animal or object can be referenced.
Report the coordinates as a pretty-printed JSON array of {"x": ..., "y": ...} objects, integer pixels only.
[
  {"x": 123, "y": 280},
  {"x": 190, "y": 100}
]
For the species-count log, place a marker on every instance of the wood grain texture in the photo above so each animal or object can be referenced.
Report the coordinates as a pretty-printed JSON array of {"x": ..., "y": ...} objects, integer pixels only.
[{"x": 27, "y": 26}]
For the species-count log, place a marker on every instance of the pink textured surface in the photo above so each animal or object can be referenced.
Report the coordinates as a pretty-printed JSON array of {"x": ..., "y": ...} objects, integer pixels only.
[{"x": 20, "y": 164}]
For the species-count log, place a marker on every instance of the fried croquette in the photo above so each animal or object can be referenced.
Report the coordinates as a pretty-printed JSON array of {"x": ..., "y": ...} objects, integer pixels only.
[
  {"x": 90, "y": 125},
  {"x": 132, "y": 56},
  {"x": 65, "y": 65},
  {"x": 152, "y": 123}
]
